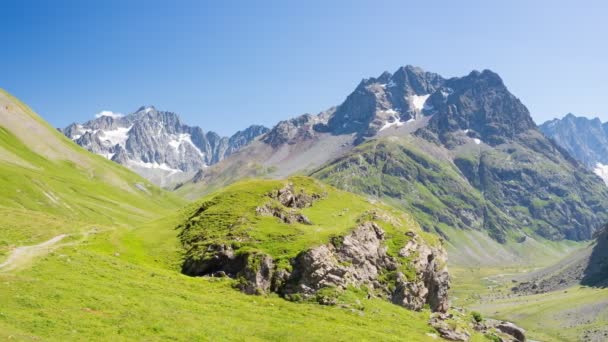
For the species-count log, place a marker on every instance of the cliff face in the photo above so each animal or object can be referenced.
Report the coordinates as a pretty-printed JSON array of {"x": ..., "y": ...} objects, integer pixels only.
[{"x": 376, "y": 252}]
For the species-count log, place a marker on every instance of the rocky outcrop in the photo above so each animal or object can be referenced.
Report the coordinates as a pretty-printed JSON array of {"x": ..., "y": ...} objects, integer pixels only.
[
  {"x": 457, "y": 325},
  {"x": 359, "y": 259},
  {"x": 511, "y": 329},
  {"x": 290, "y": 198},
  {"x": 289, "y": 201},
  {"x": 439, "y": 322},
  {"x": 507, "y": 331},
  {"x": 286, "y": 215}
]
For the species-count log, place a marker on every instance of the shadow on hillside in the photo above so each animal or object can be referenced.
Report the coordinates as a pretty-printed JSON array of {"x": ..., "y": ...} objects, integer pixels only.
[{"x": 596, "y": 273}]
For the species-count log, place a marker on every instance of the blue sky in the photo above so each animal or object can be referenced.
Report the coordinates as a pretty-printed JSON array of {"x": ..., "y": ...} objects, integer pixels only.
[{"x": 226, "y": 64}]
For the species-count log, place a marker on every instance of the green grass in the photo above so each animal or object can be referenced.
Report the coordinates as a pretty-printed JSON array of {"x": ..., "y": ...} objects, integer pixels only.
[
  {"x": 68, "y": 190},
  {"x": 123, "y": 285}
]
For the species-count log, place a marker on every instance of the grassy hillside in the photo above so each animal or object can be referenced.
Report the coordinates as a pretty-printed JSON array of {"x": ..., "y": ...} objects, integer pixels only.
[
  {"x": 412, "y": 176},
  {"x": 49, "y": 185},
  {"x": 124, "y": 284},
  {"x": 512, "y": 191}
]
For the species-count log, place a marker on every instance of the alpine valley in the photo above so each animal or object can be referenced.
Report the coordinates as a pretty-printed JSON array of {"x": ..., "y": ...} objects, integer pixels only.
[{"x": 420, "y": 208}]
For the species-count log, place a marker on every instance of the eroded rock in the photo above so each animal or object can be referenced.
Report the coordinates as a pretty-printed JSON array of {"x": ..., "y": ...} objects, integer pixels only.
[
  {"x": 290, "y": 198},
  {"x": 445, "y": 330},
  {"x": 359, "y": 259}
]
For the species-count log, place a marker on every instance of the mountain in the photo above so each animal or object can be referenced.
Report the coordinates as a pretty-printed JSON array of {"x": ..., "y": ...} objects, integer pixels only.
[
  {"x": 156, "y": 144},
  {"x": 585, "y": 139},
  {"x": 460, "y": 152}
]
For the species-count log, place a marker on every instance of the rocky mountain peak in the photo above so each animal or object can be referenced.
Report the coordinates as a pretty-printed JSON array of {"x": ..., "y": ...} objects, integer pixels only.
[
  {"x": 585, "y": 139},
  {"x": 480, "y": 105},
  {"x": 157, "y": 144},
  {"x": 391, "y": 99}
]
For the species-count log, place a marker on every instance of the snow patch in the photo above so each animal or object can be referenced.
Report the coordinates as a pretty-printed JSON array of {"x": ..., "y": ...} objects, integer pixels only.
[
  {"x": 419, "y": 100},
  {"x": 477, "y": 141},
  {"x": 117, "y": 136},
  {"x": 391, "y": 124},
  {"x": 177, "y": 141},
  {"x": 602, "y": 171},
  {"x": 397, "y": 123},
  {"x": 109, "y": 113}
]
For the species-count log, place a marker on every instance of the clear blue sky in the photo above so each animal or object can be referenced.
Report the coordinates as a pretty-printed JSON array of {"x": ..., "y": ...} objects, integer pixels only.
[{"x": 226, "y": 64}]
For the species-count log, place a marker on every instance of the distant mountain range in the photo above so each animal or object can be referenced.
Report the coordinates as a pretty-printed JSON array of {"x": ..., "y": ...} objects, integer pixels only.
[
  {"x": 156, "y": 144},
  {"x": 458, "y": 153},
  {"x": 585, "y": 139}
]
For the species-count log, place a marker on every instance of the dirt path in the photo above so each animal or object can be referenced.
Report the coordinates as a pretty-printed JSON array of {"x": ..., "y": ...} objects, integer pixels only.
[{"x": 22, "y": 255}]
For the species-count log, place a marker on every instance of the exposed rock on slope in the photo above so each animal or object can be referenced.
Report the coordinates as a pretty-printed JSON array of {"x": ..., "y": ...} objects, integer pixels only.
[
  {"x": 156, "y": 144},
  {"x": 347, "y": 243}
]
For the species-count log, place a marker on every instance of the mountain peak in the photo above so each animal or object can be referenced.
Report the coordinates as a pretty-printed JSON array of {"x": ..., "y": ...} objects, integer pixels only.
[
  {"x": 146, "y": 109},
  {"x": 478, "y": 102},
  {"x": 156, "y": 144}
]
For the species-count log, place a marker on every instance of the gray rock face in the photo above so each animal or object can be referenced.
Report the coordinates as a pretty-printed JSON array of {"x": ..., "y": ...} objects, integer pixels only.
[
  {"x": 445, "y": 330},
  {"x": 511, "y": 329},
  {"x": 359, "y": 260},
  {"x": 390, "y": 99},
  {"x": 506, "y": 331},
  {"x": 154, "y": 143},
  {"x": 481, "y": 104},
  {"x": 585, "y": 139},
  {"x": 293, "y": 131}
]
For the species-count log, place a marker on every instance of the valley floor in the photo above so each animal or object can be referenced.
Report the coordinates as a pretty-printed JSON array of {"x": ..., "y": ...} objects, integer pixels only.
[{"x": 577, "y": 313}]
